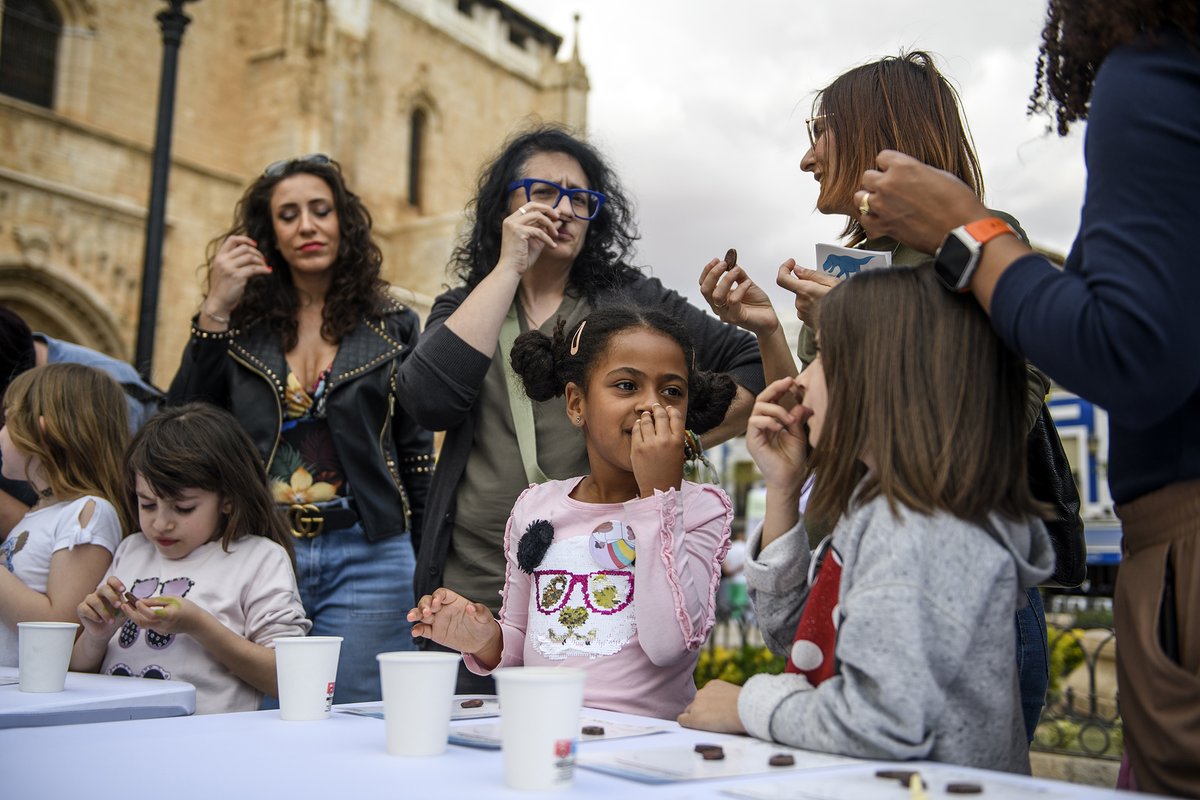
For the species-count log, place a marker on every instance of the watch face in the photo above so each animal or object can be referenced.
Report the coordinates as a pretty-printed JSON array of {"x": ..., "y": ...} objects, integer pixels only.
[{"x": 952, "y": 260}]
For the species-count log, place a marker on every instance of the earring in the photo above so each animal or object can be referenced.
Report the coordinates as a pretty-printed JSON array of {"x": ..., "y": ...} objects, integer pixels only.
[{"x": 578, "y": 420}]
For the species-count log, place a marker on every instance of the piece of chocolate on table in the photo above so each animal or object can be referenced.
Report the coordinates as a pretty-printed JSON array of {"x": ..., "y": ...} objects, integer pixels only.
[
  {"x": 474, "y": 702},
  {"x": 964, "y": 788},
  {"x": 782, "y": 760},
  {"x": 593, "y": 730},
  {"x": 903, "y": 776},
  {"x": 713, "y": 754}
]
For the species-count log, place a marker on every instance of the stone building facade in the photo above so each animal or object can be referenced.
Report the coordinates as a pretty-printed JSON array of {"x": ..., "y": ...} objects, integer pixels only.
[{"x": 410, "y": 96}]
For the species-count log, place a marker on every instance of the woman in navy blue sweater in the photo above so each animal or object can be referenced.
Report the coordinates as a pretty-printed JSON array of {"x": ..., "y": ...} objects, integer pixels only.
[{"x": 1118, "y": 325}]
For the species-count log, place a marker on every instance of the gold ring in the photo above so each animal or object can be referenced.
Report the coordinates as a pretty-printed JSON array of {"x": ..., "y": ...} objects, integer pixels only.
[
  {"x": 521, "y": 209},
  {"x": 718, "y": 306},
  {"x": 864, "y": 207}
]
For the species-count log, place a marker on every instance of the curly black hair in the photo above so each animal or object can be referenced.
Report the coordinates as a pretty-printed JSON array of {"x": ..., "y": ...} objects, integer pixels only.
[
  {"x": 357, "y": 291},
  {"x": 546, "y": 365},
  {"x": 1077, "y": 37},
  {"x": 604, "y": 261}
]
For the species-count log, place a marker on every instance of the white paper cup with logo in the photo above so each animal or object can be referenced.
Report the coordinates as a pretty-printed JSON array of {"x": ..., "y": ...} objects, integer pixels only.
[
  {"x": 418, "y": 690},
  {"x": 44, "y": 653},
  {"x": 306, "y": 667},
  {"x": 539, "y": 725}
]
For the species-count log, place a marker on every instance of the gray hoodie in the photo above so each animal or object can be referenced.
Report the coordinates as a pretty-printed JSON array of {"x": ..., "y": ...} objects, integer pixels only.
[{"x": 926, "y": 650}]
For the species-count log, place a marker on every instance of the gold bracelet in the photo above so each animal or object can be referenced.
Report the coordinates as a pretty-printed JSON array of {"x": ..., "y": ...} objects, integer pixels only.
[{"x": 215, "y": 318}]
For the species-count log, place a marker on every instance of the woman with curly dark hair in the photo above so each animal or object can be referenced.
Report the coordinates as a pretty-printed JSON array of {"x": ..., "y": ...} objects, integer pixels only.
[
  {"x": 1117, "y": 325},
  {"x": 551, "y": 238},
  {"x": 299, "y": 338}
]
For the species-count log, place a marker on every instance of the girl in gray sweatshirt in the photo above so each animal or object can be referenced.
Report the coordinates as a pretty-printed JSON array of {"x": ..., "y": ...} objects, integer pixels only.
[{"x": 897, "y": 628}]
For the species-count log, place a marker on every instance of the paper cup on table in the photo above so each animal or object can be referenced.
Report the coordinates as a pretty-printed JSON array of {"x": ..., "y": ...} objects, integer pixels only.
[
  {"x": 539, "y": 725},
  {"x": 44, "y": 653},
  {"x": 418, "y": 688},
  {"x": 306, "y": 667}
]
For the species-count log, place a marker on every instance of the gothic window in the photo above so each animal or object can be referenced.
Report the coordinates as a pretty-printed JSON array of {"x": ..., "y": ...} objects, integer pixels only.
[
  {"x": 418, "y": 125},
  {"x": 29, "y": 35}
]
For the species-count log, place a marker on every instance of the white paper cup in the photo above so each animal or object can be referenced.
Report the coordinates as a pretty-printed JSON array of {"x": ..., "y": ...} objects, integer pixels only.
[
  {"x": 539, "y": 725},
  {"x": 44, "y": 652},
  {"x": 306, "y": 667},
  {"x": 418, "y": 689}
]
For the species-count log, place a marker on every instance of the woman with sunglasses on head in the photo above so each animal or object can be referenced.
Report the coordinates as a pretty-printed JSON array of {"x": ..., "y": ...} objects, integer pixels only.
[
  {"x": 299, "y": 338},
  {"x": 550, "y": 240},
  {"x": 907, "y": 103}
]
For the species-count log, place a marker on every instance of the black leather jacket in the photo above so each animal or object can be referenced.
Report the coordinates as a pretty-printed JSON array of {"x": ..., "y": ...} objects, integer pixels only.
[{"x": 387, "y": 458}]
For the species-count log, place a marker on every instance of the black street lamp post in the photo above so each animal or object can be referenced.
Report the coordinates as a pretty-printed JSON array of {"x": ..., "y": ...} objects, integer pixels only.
[{"x": 172, "y": 21}]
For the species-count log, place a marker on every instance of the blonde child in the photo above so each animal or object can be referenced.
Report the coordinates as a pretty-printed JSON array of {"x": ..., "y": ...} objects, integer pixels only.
[
  {"x": 615, "y": 572},
  {"x": 64, "y": 432},
  {"x": 898, "y": 628},
  {"x": 200, "y": 594}
]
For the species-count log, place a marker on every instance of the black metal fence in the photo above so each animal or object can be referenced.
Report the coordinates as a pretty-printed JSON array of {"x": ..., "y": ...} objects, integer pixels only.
[{"x": 1081, "y": 717}]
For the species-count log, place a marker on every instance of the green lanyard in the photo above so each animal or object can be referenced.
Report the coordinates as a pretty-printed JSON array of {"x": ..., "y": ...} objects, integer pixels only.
[{"x": 518, "y": 401}]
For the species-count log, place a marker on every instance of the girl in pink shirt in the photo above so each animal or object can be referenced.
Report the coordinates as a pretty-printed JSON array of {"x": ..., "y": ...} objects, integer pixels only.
[{"x": 615, "y": 572}]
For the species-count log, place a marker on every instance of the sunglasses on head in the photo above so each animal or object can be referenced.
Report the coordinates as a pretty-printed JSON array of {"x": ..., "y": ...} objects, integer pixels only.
[{"x": 277, "y": 168}]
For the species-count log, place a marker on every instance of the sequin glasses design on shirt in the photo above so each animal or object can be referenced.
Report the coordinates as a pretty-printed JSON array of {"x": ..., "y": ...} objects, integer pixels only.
[
  {"x": 605, "y": 591},
  {"x": 143, "y": 589}
]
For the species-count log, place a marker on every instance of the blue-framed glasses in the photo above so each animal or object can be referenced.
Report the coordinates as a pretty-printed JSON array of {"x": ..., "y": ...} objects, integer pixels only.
[
  {"x": 585, "y": 203},
  {"x": 277, "y": 168}
]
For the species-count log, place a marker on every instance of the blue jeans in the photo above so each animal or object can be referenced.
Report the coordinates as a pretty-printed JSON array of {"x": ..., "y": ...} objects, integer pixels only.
[
  {"x": 1033, "y": 659},
  {"x": 361, "y": 591}
]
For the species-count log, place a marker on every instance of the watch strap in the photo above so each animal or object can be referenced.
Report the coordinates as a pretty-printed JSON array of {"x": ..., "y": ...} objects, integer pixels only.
[{"x": 984, "y": 230}]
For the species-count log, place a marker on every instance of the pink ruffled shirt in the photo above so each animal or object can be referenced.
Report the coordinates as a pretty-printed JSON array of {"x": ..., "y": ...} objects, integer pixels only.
[{"x": 635, "y": 628}]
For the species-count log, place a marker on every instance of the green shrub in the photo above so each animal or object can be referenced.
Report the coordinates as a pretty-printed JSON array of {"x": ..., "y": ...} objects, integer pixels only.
[
  {"x": 1065, "y": 653},
  {"x": 736, "y": 664}
]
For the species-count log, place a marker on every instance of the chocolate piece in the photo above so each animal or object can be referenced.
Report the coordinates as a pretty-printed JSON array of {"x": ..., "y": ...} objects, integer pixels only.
[
  {"x": 963, "y": 788},
  {"x": 700, "y": 748},
  {"x": 593, "y": 730},
  {"x": 902, "y": 776},
  {"x": 713, "y": 754},
  {"x": 730, "y": 258},
  {"x": 472, "y": 703},
  {"x": 782, "y": 760},
  {"x": 131, "y": 598}
]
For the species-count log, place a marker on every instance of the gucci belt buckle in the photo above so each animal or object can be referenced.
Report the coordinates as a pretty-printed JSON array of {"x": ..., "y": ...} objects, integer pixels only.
[{"x": 306, "y": 520}]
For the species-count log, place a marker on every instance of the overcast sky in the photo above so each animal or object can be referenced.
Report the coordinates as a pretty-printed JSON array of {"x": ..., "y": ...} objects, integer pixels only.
[{"x": 700, "y": 104}]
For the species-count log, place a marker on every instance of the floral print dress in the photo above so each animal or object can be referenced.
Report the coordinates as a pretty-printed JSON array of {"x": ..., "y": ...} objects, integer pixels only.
[{"x": 306, "y": 467}]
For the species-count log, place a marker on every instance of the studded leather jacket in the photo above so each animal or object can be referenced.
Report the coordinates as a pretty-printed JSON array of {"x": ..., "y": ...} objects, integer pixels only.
[{"x": 387, "y": 458}]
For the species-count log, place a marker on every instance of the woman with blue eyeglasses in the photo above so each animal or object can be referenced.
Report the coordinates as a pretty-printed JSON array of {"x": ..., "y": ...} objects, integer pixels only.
[
  {"x": 551, "y": 239},
  {"x": 299, "y": 338}
]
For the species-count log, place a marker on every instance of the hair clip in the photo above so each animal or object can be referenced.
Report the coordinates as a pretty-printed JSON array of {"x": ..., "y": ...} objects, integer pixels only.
[{"x": 575, "y": 338}]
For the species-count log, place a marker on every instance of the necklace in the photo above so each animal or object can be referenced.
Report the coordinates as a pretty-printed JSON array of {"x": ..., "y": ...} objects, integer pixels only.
[{"x": 44, "y": 496}]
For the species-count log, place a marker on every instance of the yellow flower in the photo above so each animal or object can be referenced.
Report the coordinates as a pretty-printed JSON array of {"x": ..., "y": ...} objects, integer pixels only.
[
  {"x": 302, "y": 489},
  {"x": 298, "y": 400}
]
